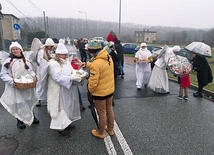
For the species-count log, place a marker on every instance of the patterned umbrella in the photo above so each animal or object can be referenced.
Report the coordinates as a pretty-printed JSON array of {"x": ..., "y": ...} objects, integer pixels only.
[{"x": 179, "y": 66}]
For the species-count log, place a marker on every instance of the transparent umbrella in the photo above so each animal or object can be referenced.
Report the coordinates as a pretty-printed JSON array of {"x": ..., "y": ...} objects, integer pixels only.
[
  {"x": 199, "y": 48},
  {"x": 179, "y": 66}
]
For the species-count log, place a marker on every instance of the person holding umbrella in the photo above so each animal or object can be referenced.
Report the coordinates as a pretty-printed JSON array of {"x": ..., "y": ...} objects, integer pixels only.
[
  {"x": 101, "y": 87},
  {"x": 204, "y": 73},
  {"x": 199, "y": 51},
  {"x": 182, "y": 72}
]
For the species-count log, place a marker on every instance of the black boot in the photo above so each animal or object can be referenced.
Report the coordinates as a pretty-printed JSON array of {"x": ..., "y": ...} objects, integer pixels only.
[
  {"x": 198, "y": 94},
  {"x": 35, "y": 120},
  {"x": 39, "y": 103},
  {"x": 65, "y": 133},
  {"x": 70, "y": 127},
  {"x": 20, "y": 124},
  {"x": 82, "y": 108}
]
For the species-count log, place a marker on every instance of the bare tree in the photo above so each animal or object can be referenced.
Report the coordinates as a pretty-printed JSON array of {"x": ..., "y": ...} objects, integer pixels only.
[
  {"x": 209, "y": 37},
  {"x": 75, "y": 28}
]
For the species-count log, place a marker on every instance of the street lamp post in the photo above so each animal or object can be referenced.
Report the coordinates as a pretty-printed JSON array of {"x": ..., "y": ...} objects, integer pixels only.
[
  {"x": 85, "y": 22},
  {"x": 119, "y": 17},
  {"x": 1, "y": 31}
]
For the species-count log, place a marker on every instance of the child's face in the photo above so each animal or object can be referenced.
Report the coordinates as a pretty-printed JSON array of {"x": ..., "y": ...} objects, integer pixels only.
[
  {"x": 16, "y": 51},
  {"x": 74, "y": 56},
  {"x": 63, "y": 56},
  {"x": 49, "y": 48}
]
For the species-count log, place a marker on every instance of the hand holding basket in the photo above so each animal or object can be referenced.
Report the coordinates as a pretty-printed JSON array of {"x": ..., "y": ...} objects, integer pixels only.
[
  {"x": 26, "y": 85},
  {"x": 25, "y": 81}
]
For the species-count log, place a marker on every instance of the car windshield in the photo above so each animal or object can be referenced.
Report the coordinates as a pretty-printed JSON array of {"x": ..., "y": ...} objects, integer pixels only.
[
  {"x": 98, "y": 38},
  {"x": 156, "y": 48}
]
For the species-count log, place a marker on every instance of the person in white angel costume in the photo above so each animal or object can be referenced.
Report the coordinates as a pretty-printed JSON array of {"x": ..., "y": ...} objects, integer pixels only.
[
  {"x": 159, "y": 78},
  {"x": 143, "y": 57},
  {"x": 63, "y": 103},
  {"x": 45, "y": 53},
  {"x": 19, "y": 103}
]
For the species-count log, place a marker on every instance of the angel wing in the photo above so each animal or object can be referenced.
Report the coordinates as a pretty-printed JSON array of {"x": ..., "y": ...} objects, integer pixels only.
[
  {"x": 3, "y": 56},
  {"x": 28, "y": 55},
  {"x": 164, "y": 49},
  {"x": 36, "y": 45}
]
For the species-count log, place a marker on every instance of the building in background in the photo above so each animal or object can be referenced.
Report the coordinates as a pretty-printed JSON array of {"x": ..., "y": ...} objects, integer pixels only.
[
  {"x": 145, "y": 36},
  {"x": 9, "y": 32}
]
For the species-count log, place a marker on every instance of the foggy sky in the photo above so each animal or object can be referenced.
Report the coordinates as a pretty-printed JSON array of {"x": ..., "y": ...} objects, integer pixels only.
[{"x": 174, "y": 13}]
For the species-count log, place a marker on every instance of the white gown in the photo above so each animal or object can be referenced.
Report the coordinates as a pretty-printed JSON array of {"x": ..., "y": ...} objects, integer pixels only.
[
  {"x": 41, "y": 91},
  {"x": 159, "y": 77},
  {"x": 19, "y": 103},
  {"x": 143, "y": 70},
  {"x": 63, "y": 101}
]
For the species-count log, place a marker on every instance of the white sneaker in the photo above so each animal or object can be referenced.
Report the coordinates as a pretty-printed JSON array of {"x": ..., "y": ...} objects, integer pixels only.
[
  {"x": 185, "y": 97},
  {"x": 179, "y": 97}
]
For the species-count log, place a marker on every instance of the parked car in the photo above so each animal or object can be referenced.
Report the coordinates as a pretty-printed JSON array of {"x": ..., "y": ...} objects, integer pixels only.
[
  {"x": 149, "y": 47},
  {"x": 182, "y": 52},
  {"x": 186, "y": 53},
  {"x": 136, "y": 49},
  {"x": 129, "y": 48},
  {"x": 155, "y": 52},
  {"x": 99, "y": 39}
]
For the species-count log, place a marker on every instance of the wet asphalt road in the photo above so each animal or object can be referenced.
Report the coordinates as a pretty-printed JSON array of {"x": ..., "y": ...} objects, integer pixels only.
[{"x": 150, "y": 124}]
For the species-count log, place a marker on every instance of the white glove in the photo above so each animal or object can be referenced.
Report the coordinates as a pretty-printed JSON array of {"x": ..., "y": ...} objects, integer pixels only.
[{"x": 75, "y": 77}]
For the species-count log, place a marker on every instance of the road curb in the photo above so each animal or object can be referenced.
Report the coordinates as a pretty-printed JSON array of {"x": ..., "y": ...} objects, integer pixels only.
[{"x": 207, "y": 93}]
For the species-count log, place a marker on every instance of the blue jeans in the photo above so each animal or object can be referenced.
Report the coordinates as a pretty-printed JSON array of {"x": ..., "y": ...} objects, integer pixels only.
[
  {"x": 88, "y": 56},
  {"x": 120, "y": 66},
  {"x": 79, "y": 94}
]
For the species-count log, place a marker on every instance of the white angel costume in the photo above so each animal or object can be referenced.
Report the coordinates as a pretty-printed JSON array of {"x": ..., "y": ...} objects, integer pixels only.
[
  {"x": 41, "y": 91},
  {"x": 159, "y": 77},
  {"x": 143, "y": 69},
  {"x": 19, "y": 103},
  {"x": 63, "y": 101},
  {"x": 41, "y": 55}
]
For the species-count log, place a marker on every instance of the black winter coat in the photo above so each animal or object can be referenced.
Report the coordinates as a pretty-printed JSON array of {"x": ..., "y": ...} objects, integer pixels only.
[
  {"x": 115, "y": 60},
  {"x": 204, "y": 73},
  {"x": 119, "y": 50}
]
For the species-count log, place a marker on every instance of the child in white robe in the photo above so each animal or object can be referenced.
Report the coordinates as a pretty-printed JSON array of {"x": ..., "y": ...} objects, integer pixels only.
[
  {"x": 19, "y": 103},
  {"x": 63, "y": 102}
]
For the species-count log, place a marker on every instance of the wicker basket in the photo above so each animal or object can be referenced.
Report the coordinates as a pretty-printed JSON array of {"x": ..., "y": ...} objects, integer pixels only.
[{"x": 23, "y": 86}]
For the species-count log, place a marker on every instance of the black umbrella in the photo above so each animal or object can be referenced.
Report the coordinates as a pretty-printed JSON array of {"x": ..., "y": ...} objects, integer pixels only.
[{"x": 93, "y": 110}]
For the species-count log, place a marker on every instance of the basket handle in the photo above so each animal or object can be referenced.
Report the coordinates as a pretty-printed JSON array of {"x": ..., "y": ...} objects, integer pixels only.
[{"x": 23, "y": 62}]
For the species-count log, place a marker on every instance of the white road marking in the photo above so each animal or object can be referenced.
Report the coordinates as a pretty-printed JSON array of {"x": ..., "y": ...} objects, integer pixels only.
[
  {"x": 125, "y": 147},
  {"x": 110, "y": 146}
]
